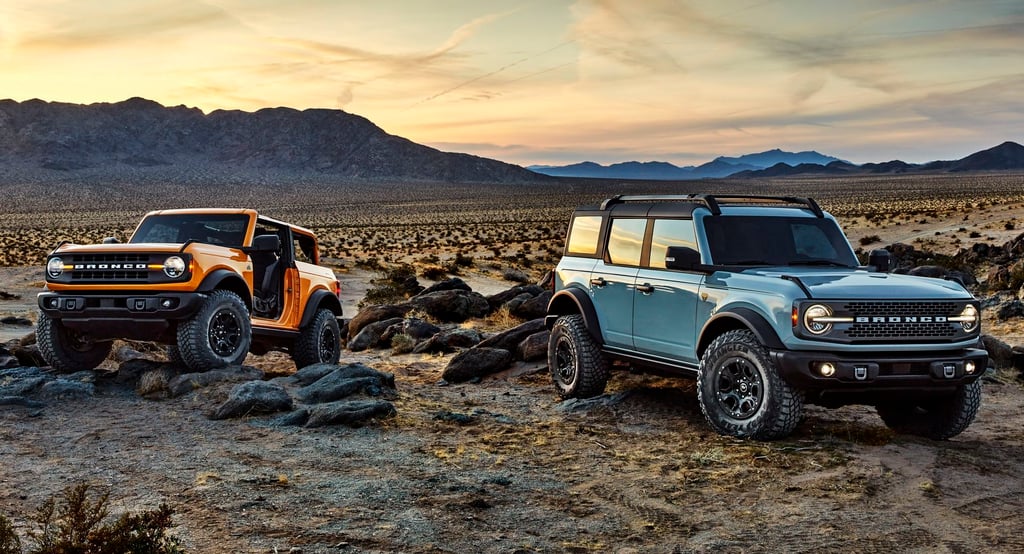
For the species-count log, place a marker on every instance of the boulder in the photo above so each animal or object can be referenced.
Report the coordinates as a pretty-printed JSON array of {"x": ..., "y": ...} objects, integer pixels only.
[
  {"x": 533, "y": 308},
  {"x": 414, "y": 327},
  {"x": 15, "y": 320},
  {"x": 509, "y": 339},
  {"x": 372, "y": 335},
  {"x": 476, "y": 362},
  {"x": 311, "y": 374},
  {"x": 998, "y": 351},
  {"x": 132, "y": 371},
  {"x": 449, "y": 341},
  {"x": 64, "y": 389},
  {"x": 252, "y": 398},
  {"x": 501, "y": 298},
  {"x": 7, "y": 361},
  {"x": 452, "y": 305},
  {"x": 188, "y": 382},
  {"x": 348, "y": 412},
  {"x": 373, "y": 314},
  {"x": 454, "y": 283},
  {"x": 1013, "y": 308},
  {"x": 534, "y": 347},
  {"x": 22, "y": 381},
  {"x": 345, "y": 381},
  {"x": 933, "y": 271},
  {"x": 29, "y": 356}
]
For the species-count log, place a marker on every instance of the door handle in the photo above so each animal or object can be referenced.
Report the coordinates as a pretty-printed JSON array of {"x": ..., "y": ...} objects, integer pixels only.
[
  {"x": 598, "y": 282},
  {"x": 645, "y": 288}
]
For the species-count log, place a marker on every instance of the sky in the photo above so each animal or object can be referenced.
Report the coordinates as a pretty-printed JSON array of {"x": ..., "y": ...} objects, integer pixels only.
[{"x": 557, "y": 81}]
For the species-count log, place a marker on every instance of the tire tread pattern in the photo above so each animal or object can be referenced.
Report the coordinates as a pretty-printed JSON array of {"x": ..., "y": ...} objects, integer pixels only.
[
  {"x": 51, "y": 337},
  {"x": 306, "y": 350},
  {"x": 193, "y": 339},
  {"x": 591, "y": 367}
]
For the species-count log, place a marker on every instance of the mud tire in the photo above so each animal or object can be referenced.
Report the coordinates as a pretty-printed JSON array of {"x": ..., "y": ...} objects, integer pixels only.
[
  {"x": 741, "y": 392},
  {"x": 319, "y": 342},
  {"x": 65, "y": 350},
  {"x": 938, "y": 418},
  {"x": 578, "y": 368},
  {"x": 218, "y": 335}
]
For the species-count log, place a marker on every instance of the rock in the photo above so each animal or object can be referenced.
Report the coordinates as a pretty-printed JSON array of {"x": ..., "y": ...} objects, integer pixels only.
[
  {"x": 515, "y": 275},
  {"x": 998, "y": 351},
  {"x": 19, "y": 401},
  {"x": 371, "y": 336},
  {"x": 454, "y": 417},
  {"x": 22, "y": 381},
  {"x": 29, "y": 356},
  {"x": 345, "y": 381},
  {"x": 252, "y": 398},
  {"x": 536, "y": 307},
  {"x": 933, "y": 271},
  {"x": 414, "y": 327},
  {"x": 509, "y": 339},
  {"x": 1013, "y": 308},
  {"x": 348, "y": 412},
  {"x": 518, "y": 301},
  {"x": 127, "y": 353},
  {"x": 476, "y": 362},
  {"x": 15, "y": 320},
  {"x": 63, "y": 389},
  {"x": 153, "y": 383},
  {"x": 534, "y": 347},
  {"x": 311, "y": 373},
  {"x": 998, "y": 278},
  {"x": 454, "y": 283},
  {"x": 293, "y": 418},
  {"x": 449, "y": 341},
  {"x": 28, "y": 339},
  {"x": 502, "y": 298},
  {"x": 452, "y": 305},
  {"x": 964, "y": 277},
  {"x": 132, "y": 371},
  {"x": 8, "y": 361},
  {"x": 188, "y": 382},
  {"x": 547, "y": 282},
  {"x": 1017, "y": 358},
  {"x": 373, "y": 314}
]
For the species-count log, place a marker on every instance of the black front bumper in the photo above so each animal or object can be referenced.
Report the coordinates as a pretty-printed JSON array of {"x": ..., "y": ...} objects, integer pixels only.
[
  {"x": 893, "y": 371},
  {"x": 128, "y": 316}
]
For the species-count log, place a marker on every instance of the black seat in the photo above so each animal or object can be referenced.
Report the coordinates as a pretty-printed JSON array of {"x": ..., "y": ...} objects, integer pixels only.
[{"x": 266, "y": 280}]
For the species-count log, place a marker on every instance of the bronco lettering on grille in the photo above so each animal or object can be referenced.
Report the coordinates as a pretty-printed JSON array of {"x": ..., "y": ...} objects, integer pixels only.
[{"x": 901, "y": 319}]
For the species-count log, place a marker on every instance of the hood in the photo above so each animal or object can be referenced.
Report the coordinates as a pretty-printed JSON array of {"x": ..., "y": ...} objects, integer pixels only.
[
  {"x": 117, "y": 248},
  {"x": 830, "y": 284}
]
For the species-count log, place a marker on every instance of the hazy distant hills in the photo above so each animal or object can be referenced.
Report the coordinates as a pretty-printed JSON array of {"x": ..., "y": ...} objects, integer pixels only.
[
  {"x": 778, "y": 163},
  {"x": 721, "y": 166},
  {"x": 140, "y": 134}
]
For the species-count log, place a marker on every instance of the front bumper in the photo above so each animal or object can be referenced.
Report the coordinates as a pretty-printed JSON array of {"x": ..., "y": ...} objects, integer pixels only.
[
  {"x": 140, "y": 316},
  {"x": 915, "y": 371}
]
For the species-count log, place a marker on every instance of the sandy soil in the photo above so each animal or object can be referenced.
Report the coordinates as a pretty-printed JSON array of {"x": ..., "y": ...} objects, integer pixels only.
[{"x": 637, "y": 470}]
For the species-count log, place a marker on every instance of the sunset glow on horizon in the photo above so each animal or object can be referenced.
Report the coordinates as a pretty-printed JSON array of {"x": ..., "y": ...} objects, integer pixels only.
[{"x": 556, "y": 82}]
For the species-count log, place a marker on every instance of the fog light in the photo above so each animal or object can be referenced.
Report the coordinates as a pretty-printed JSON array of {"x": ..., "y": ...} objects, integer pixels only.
[
  {"x": 969, "y": 368},
  {"x": 54, "y": 302},
  {"x": 827, "y": 370},
  {"x": 167, "y": 303}
]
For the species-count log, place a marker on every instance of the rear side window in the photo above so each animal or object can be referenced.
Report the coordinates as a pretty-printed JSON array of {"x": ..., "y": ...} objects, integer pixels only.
[
  {"x": 583, "y": 235},
  {"x": 626, "y": 241},
  {"x": 670, "y": 232}
]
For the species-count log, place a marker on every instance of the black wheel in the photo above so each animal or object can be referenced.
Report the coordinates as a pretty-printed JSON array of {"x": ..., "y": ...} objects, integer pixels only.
[
  {"x": 68, "y": 351},
  {"x": 937, "y": 418},
  {"x": 577, "y": 366},
  {"x": 319, "y": 342},
  {"x": 218, "y": 335},
  {"x": 741, "y": 393}
]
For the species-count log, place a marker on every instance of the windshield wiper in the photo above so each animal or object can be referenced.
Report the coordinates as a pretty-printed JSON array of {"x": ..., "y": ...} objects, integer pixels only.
[
  {"x": 822, "y": 262},
  {"x": 751, "y": 262}
]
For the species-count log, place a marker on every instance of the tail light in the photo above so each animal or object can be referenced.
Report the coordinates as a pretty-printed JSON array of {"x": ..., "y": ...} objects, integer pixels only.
[{"x": 337, "y": 288}]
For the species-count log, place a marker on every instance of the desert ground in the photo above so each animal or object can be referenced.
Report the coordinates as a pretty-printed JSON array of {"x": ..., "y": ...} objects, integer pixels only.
[{"x": 504, "y": 465}]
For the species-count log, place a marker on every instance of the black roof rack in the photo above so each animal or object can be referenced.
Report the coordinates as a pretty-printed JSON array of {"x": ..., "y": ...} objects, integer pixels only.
[{"x": 713, "y": 202}]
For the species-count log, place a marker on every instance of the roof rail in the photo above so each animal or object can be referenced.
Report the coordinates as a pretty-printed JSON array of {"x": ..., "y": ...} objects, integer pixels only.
[{"x": 714, "y": 202}]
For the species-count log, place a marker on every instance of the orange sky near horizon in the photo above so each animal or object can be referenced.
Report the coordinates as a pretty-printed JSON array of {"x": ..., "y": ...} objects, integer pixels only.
[{"x": 555, "y": 82}]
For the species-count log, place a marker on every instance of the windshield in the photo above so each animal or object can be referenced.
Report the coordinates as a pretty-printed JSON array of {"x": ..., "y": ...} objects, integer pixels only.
[
  {"x": 777, "y": 241},
  {"x": 221, "y": 229}
]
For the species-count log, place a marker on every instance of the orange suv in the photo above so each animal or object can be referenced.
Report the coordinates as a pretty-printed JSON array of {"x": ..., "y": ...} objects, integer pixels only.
[{"x": 213, "y": 284}]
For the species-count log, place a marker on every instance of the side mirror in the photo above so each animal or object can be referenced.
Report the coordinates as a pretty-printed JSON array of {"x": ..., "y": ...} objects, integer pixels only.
[
  {"x": 265, "y": 243},
  {"x": 881, "y": 260},
  {"x": 111, "y": 240},
  {"x": 682, "y": 257}
]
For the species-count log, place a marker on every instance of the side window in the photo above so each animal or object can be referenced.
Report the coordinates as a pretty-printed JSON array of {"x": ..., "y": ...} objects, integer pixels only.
[
  {"x": 305, "y": 249},
  {"x": 583, "y": 235},
  {"x": 670, "y": 232},
  {"x": 626, "y": 241}
]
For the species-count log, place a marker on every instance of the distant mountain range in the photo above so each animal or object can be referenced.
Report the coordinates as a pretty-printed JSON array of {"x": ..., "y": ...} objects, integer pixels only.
[
  {"x": 721, "y": 166},
  {"x": 778, "y": 163},
  {"x": 138, "y": 135}
]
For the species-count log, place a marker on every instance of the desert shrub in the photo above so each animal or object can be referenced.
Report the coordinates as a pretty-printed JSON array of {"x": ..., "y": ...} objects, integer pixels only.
[
  {"x": 1009, "y": 225},
  {"x": 76, "y": 523},
  {"x": 392, "y": 285},
  {"x": 462, "y": 260},
  {"x": 515, "y": 276},
  {"x": 433, "y": 272},
  {"x": 9, "y": 541},
  {"x": 402, "y": 344},
  {"x": 974, "y": 235}
]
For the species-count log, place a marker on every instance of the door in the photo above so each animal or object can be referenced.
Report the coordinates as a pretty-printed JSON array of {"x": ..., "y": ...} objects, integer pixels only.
[
  {"x": 612, "y": 281},
  {"x": 665, "y": 304}
]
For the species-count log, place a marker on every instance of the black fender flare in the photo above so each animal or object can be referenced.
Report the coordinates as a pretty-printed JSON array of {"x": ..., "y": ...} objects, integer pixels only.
[
  {"x": 735, "y": 318},
  {"x": 229, "y": 280},
  {"x": 575, "y": 301},
  {"x": 319, "y": 298}
]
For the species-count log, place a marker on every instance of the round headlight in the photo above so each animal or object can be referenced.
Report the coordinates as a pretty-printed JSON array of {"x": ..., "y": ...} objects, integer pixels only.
[
  {"x": 174, "y": 267},
  {"x": 811, "y": 316},
  {"x": 55, "y": 267},
  {"x": 969, "y": 318}
]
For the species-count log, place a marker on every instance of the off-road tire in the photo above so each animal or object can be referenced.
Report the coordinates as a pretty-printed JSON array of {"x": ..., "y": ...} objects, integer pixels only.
[
  {"x": 65, "y": 350},
  {"x": 218, "y": 335},
  {"x": 319, "y": 342},
  {"x": 938, "y": 418},
  {"x": 578, "y": 368},
  {"x": 174, "y": 355},
  {"x": 741, "y": 392}
]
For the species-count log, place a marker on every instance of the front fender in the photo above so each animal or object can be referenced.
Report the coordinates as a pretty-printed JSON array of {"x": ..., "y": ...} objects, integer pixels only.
[
  {"x": 738, "y": 318},
  {"x": 575, "y": 301}
]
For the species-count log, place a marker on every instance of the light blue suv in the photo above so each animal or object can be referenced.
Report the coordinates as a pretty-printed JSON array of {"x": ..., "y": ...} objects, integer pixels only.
[{"x": 763, "y": 301}]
